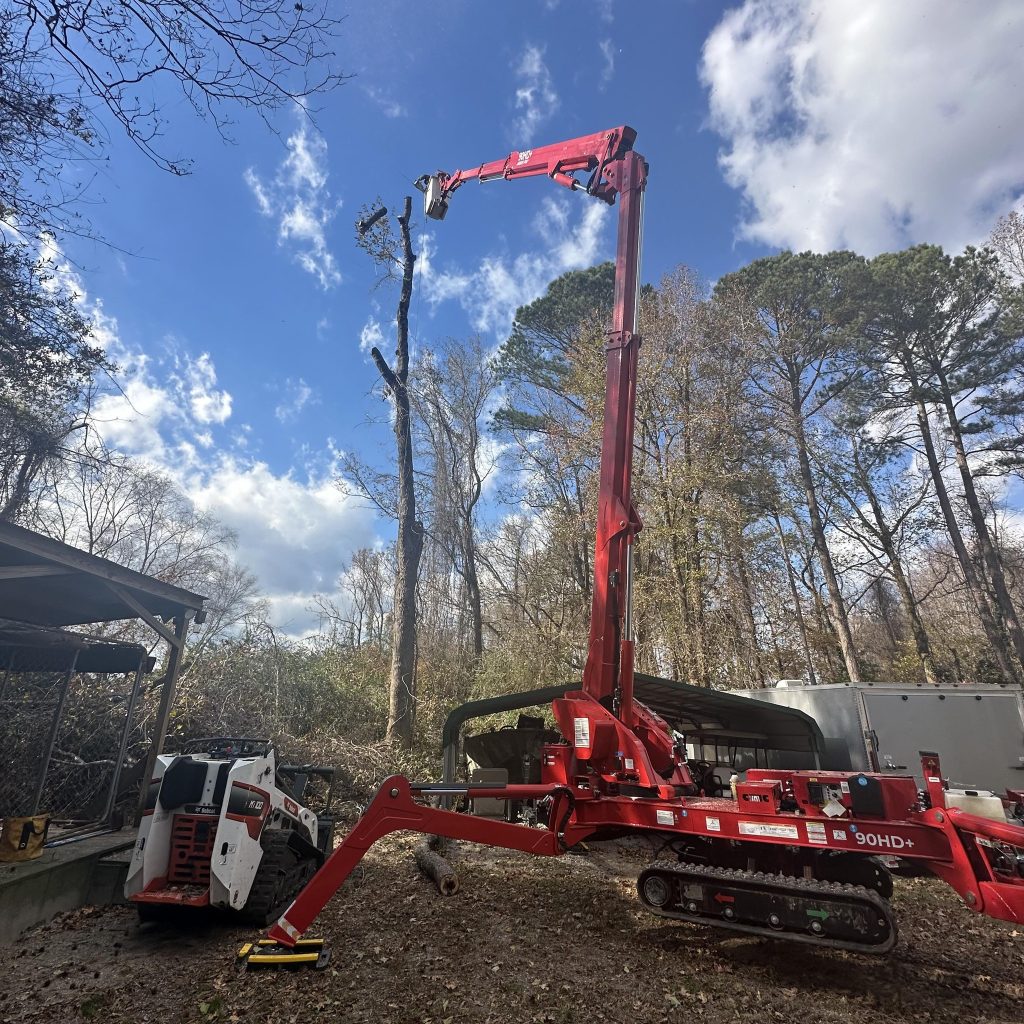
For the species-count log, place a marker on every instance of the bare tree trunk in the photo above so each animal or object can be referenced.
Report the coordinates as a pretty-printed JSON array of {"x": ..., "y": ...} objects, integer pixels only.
[
  {"x": 402, "y": 692},
  {"x": 472, "y": 580},
  {"x": 992, "y": 631},
  {"x": 836, "y": 599},
  {"x": 795, "y": 594},
  {"x": 734, "y": 540},
  {"x": 993, "y": 563},
  {"x": 886, "y": 539}
]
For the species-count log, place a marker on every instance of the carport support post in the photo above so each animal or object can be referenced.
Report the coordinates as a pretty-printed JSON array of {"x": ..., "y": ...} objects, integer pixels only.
[
  {"x": 122, "y": 747},
  {"x": 51, "y": 739},
  {"x": 177, "y": 645}
]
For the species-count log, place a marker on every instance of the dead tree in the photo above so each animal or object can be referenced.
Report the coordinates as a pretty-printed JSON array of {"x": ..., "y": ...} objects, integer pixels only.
[{"x": 395, "y": 255}]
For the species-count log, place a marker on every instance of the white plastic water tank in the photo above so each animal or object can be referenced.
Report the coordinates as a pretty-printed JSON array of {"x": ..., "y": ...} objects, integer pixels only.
[{"x": 976, "y": 801}]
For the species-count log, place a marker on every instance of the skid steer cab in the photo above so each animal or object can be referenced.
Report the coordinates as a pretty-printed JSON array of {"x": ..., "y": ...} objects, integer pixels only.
[{"x": 225, "y": 826}]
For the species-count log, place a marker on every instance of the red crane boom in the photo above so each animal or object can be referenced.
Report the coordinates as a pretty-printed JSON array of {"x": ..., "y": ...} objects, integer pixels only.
[{"x": 615, "y": 170}]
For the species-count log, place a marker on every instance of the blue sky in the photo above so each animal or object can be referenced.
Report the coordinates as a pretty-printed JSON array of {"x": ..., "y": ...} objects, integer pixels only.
[{"x": 239, "y": 306}]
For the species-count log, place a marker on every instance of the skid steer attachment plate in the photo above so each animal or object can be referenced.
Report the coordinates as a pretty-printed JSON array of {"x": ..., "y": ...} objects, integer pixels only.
[{"x": 268, "y": 953}]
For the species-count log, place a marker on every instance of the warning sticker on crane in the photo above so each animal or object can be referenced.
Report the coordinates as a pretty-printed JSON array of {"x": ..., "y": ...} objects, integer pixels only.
[
  {"x": 666, "y": 818},
  {"x": 760, "y": 828},
  {"x": 581, "y": 732},
  {"x": 712, "y": 824},
  {"x": 816, "y": 833}
]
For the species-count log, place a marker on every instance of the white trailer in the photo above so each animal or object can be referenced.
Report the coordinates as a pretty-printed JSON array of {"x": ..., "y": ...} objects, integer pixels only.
[{"x": 881, "y": 727}]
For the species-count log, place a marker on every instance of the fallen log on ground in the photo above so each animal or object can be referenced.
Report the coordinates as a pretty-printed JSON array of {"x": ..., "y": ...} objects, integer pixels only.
[{"x": 434, "y": 866}]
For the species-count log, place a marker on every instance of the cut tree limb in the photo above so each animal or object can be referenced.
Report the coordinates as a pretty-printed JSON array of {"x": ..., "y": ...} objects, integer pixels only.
[{"x": 435, "y": 867}]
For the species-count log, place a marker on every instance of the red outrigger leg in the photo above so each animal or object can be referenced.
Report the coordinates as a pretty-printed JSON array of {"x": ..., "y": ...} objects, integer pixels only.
[{"x": 393, "y": 809}]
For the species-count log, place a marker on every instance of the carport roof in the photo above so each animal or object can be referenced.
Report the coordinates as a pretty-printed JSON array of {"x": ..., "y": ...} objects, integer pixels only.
[
  {"x": 47, "y": 583},
  {"x": 701, "y": 714},
  {"x": 34, "y": 649}
]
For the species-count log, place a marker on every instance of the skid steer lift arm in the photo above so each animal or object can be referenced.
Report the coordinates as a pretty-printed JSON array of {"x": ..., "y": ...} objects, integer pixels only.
[{"x": 791, "y": 857}]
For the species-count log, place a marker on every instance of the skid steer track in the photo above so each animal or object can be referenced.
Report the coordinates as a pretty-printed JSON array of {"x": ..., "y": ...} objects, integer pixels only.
[
  {"x": 281, "y": 874},
  {"x": 824, "y": 914}
]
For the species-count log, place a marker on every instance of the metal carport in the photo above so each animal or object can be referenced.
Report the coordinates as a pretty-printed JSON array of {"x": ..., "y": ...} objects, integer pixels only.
[
  {"x": 704, "y": 716},
  {"x": 46, "y": 583}
]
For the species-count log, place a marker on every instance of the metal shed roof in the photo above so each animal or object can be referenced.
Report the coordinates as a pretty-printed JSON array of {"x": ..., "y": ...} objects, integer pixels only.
[
  {"x": 701, "y": 714},
  {"x": 33, "y": 649},
  {"x": 48, "y": 583}
]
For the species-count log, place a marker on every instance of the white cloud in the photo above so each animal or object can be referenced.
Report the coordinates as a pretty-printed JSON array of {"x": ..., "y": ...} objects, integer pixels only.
[
  {"x": 423, "y": 267},
  {"x": 866, "y": 123},
  {"x": 389, "y": 106},
  {"x": 299, "y": 200},
  {"x": 294, "y": 533},
  {"x": 492, "y": 294},
  {"x": 605, "y": 10},
  {"x": 371, "y": 336},
  {"x": 297, "y": 395},
  {"x": 607, "y": 48},
  {"x": 296, "y": 530},
  {"x": 208, "y": 404},
  {"x": 536, "y": 99}
]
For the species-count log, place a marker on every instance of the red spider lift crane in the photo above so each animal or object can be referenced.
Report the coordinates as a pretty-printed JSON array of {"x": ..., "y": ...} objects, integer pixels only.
[{"x": 795, "y": 855}]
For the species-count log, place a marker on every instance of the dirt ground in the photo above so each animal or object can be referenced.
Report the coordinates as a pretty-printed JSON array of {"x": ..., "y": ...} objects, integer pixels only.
[{"x": 525, "y": 940}]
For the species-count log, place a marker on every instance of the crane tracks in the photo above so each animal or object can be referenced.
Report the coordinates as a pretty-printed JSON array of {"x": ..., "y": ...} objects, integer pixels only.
[{"x": 829, "y": 915}]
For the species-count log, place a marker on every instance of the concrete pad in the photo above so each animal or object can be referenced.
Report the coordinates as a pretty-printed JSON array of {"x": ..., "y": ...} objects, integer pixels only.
[{"x": 89, "y": 871}]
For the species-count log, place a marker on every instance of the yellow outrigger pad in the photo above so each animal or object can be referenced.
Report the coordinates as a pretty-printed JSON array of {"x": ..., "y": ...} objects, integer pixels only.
[{"x": 268, "y": 953}]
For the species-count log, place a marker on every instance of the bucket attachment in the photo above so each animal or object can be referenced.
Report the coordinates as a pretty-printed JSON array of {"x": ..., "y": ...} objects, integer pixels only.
[
  {"x": 268, "y": 953},
  {"x": 435, "y": 205}
]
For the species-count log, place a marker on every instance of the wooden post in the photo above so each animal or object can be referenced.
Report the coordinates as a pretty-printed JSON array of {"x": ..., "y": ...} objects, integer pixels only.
[{"x": 177, "y": 645}]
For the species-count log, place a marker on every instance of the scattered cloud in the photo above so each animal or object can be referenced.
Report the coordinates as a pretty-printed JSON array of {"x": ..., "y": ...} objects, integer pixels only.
[
  {"x": 866, "y": 123},
  {"x": 536, "y": 99},
  {"x": 208, "y": 405},
  {"x": 389, "y": 106},
  {"x": 297, "y": 395},
  {"x": 606, "y": 10},
  {"x": 298, "y": 199},
  {"x": 492, "y": 293},
  {"x": 371, "y": 336},
  {"x": 607, "y": 48},
  {"x": 423, "y": 267},
  {"x": 296, "y": 530}
]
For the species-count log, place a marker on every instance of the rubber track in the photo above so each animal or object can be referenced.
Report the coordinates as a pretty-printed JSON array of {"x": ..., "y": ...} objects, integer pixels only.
[
  {"x": 279, "y": 877},
  {"x": 770, "y": 883}
]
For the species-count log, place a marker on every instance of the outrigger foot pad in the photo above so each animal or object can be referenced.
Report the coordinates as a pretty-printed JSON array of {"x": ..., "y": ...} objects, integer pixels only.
[{"x": 268, "y": 953}]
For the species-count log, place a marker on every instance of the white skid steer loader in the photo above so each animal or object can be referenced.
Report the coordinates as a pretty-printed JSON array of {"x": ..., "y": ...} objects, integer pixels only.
[{"x": 224, "y": 826}]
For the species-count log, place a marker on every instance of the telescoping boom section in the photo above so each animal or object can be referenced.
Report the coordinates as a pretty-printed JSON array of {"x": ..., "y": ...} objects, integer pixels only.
[{"x": 794, "y": 855}]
